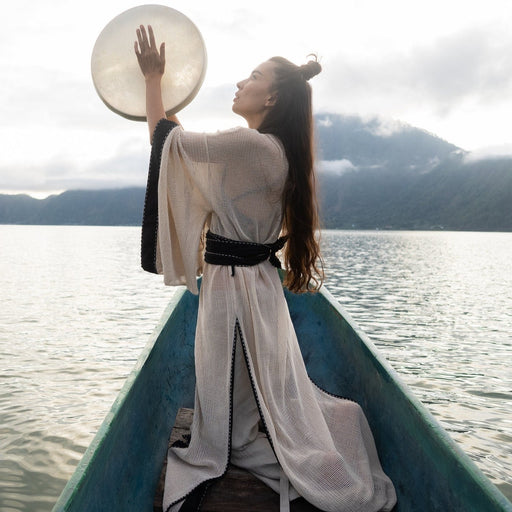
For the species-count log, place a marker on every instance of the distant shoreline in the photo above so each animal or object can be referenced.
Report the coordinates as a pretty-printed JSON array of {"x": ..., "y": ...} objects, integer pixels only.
[{"x": 358, "y": 230}]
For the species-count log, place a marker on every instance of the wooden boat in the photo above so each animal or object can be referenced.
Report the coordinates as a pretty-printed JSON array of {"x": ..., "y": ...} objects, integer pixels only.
[{"x": 121, "y": 468}]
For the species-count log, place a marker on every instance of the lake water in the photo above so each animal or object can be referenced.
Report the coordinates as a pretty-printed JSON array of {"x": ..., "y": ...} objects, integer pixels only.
[{"x": 77, "y": 310}]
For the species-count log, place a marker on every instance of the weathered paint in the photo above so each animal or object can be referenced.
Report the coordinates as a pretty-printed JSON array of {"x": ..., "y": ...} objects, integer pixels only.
[{"x": 120, "y": 469}]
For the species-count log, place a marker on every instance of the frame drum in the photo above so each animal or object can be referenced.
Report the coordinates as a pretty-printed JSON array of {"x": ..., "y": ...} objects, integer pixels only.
[{"x": 117, "y": 77}]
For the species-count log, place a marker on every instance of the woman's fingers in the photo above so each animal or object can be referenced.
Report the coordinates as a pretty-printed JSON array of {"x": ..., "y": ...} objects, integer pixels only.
[
  {"x": 151, "y": 60},
  {"x": 139, "y": 39},
  {"x": 162, "y": 54},
  {"x": 152, "y": 43},
  {"x": 143, "y": 38}
]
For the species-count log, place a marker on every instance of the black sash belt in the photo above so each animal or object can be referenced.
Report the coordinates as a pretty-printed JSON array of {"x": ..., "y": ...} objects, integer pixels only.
[{"x": 223, "y": 251}]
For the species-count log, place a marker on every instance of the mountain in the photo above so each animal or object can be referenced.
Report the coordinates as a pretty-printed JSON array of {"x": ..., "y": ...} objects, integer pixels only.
[
  {"x": 376, "y": 175},
  {"x": 452, "y": 196},
  {"x": 116, "y": 207},
  {"x": 372, "y": 174},
  {"x": 379, "y": 144}
]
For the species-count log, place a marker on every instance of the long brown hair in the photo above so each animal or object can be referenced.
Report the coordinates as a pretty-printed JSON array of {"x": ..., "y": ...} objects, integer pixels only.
[{"x": 291, "y": 120}]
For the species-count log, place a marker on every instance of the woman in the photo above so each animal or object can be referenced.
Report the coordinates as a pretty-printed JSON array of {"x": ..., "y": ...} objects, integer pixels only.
[{"x": 248, "y": 186}]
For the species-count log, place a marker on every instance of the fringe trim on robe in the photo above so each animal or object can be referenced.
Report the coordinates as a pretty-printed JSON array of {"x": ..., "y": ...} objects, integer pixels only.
[{"x": 248, "y": 363}]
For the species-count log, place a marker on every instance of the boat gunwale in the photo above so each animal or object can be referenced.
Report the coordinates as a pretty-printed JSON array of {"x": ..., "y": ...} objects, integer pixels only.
[
  {"x": 449, "y": 446},
  {"x": 433, "y": 429},
  {"x": 82, "y": 469}
]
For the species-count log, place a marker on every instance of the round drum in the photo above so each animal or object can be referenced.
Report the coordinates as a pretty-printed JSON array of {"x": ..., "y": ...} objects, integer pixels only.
[{"x": 115, "y": 71}]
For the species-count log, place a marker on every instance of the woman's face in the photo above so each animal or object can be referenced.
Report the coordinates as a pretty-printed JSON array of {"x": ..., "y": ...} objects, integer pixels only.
[{"x": 255, "y": 97}]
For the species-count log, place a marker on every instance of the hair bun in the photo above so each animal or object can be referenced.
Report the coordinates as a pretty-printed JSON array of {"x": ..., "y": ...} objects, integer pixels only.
[{"x": 310, "y": 69}]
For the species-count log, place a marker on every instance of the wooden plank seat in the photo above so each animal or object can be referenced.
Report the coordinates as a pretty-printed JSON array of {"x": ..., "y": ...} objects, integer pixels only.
[{"x": 237, "y": 491}]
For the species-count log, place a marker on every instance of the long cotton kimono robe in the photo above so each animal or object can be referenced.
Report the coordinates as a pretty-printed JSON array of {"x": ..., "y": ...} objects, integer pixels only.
[{"x": 249, "y": 367}]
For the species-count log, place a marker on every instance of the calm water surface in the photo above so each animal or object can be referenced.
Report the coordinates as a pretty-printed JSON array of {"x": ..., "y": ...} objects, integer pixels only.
[{"x": 77, "y": 310}]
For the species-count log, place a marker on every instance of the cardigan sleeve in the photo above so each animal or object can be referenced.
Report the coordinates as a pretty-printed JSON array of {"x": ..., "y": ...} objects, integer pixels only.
[
  {"x": 176, "y": 208},
  {"x": 150, "y": 214}
]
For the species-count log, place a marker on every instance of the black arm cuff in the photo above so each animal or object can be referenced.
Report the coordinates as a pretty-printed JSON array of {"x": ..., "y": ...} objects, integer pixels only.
[{"x": 150, "y": 215}]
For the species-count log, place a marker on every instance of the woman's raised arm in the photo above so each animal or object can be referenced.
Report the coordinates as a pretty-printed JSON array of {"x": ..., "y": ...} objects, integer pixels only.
[{"x": 152, "y": 64}]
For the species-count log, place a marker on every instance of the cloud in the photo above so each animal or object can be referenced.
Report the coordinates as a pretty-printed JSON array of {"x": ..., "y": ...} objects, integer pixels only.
[
  {"x": 233, "y": 22},
  {"x": 384, "y": 127},
  {"x": 470, "y": 65},
  {"x": 127, "y": 167},
  {"x": 325, "y": 121},
  {"x": 18, "y": 177},
  {"x": 336, "y": 167},
  {"x": 212, "y": 104},
  {"x": 446, "y": 68},
  {"x": 499, "y": 151},
  {"x": 53, "y": 99}
]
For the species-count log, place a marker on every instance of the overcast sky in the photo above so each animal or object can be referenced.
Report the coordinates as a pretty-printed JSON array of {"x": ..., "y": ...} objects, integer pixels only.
[{"x": 441, "y": 65}]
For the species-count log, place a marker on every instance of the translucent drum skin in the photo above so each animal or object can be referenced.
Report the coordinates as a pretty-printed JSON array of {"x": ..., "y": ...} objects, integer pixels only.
[{"x": 115, "y": 71}]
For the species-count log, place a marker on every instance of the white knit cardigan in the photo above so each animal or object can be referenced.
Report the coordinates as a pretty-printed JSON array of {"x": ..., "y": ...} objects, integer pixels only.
[{"x": 249, "y": 367}]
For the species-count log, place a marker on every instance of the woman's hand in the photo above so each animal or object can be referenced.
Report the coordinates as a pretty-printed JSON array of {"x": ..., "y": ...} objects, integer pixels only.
[
  {"x": 152, "y": 65},
  {"x": 151, "y": 61}
]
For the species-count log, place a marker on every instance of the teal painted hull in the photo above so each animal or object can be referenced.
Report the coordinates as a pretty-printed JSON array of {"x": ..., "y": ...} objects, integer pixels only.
[{"x": 120, "y": 469}]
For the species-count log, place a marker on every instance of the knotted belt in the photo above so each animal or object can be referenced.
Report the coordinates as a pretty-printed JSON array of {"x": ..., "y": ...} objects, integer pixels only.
[{"x": 224, "y": 251}]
